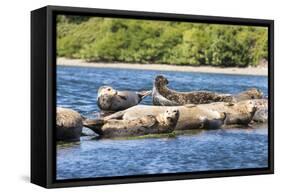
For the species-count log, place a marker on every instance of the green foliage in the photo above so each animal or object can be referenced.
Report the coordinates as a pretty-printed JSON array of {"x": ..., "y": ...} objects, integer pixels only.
[{"x": 144, "y": 41}]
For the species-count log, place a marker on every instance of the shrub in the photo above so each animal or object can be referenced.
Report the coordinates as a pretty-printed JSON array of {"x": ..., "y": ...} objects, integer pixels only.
[{"x": 144, "y": 41}]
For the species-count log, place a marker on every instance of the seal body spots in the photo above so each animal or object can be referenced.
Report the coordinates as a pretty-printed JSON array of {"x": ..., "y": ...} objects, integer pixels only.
[
  {"x": 149, "y": 124},
  {"x": 68, "y": 124},
  {"x": 110, "y": 99},
  {"x": 164, "y": 96}
]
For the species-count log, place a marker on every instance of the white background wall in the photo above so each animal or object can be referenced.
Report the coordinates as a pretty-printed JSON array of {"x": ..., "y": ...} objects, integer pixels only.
[{"x": 15, "y": 94}]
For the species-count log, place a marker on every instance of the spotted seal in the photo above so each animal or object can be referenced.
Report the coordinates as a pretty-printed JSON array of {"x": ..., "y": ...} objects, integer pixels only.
[
  {"x": 163, "y": 122},
  {"x": 164, "y": 96},
  {"x": 109, "y": 99},
  {"x": 191, "y": 116},
  {"x": 69, "y": 124},
  {"x": 202, "y": 116}
]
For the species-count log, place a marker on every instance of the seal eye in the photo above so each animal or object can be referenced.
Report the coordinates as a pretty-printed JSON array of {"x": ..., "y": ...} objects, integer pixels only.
[{"x": 108, "y": 89}]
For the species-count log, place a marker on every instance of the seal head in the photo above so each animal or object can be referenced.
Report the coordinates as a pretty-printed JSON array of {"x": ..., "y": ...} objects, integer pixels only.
[
  {"x": 110, "y": 99},
  {"x": 252, "y": 93},
  {"x": 171, "y": 117},
  {"x": 161, "y": 81},
  {"x": 105, "y": 97}
]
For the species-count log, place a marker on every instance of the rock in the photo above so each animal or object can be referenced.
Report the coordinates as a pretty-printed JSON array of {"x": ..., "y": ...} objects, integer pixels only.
[
  {"x": 261, "y": 115},
  {"x": 88, "y": 132},
  {"x": 68, "y": 125}
]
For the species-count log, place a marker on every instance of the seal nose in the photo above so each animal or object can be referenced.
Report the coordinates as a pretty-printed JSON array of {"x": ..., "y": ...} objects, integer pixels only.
[
  {"x": 176, "y": 112},
  {"x": 161, "y": 78}
]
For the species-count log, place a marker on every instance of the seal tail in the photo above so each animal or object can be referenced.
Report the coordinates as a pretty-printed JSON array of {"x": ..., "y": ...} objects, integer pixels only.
[
  {"x": 144, "y": 94},
  {"x": 94, "y": 124},
  {"x": 225, "y": 118}
]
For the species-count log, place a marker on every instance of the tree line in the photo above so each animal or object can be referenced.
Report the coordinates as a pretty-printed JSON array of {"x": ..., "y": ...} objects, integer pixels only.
[{"x": 161, "y": 42}]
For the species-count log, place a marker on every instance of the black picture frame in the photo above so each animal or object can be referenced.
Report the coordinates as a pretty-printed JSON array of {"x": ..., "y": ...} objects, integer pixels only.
[{"x": 43, "y": 98}]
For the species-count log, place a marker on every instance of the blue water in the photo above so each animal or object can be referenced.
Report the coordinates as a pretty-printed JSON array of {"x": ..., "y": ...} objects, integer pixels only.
[{"x": 205, "y": 150}]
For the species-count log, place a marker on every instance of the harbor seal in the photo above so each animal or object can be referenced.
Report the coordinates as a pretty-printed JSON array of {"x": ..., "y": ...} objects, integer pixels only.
[
  {"x": 68, "y": 124},
  {"x": 190, "y": 116},
  {"x": 202, "y": 116},
  {"x": 163, "y": 122},
  {"x": 242, "y": 112},
  {"x": 252, "y": 93},
  {"x": 239, "y": 113},
  {"x": 164, "y": 96},
  {"x": 109, "y": 99}
]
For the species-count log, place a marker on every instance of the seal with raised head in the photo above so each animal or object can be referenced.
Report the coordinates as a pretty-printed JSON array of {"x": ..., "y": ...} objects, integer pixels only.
[
  {"x": 69, "y": 124},
  {"x": 204, "y": 116},
  {"x": 109, "y": 99},
  {"x": 191, "y": 116},
  {"x": 163, "y": 122},
  {"x": 164, "y": 96}
]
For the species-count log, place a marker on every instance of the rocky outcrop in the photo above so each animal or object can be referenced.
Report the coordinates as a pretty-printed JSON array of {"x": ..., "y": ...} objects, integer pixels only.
[{"x": 68, "y": 125}]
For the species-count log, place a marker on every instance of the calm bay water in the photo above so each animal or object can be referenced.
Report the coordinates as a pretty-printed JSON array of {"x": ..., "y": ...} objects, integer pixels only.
[{"x": 205, "y": 150}]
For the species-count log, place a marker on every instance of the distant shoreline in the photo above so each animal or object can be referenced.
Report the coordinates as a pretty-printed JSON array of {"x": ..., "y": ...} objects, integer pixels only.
[{"x": 261, "y": 71}]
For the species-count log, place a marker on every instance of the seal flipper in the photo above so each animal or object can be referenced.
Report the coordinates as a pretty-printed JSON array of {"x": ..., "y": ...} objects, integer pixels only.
[
  {"x": 117, "y": 115},
  {"x": 122, "y": 97},
  {"x": 149, "y": 125},
  {"x": 94, "y": 124},
  {"x": 229, "y": 104},
  {"x": 83, "y": 118},
  {"x": 144, "y": 94},
  {"x": 190, "y": 105}
]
